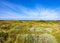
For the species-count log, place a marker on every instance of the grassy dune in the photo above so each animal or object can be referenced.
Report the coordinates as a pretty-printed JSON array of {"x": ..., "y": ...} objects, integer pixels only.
[{"x": 21, "y": 31}]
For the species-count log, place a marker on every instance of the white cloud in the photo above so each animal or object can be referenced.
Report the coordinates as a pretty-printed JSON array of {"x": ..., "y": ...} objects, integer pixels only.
[{"x": 12, "y": 11}]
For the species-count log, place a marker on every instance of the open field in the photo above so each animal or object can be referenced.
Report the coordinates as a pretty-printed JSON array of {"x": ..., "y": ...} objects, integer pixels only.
[{"x": 29, "y": 31}]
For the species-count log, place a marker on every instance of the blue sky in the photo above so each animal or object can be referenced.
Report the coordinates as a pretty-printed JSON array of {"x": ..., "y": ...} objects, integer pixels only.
[{"x": 29, "y": 9}]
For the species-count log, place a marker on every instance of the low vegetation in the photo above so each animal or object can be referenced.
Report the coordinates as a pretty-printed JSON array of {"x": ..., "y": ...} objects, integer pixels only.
[{"x": 29, "y": 31}]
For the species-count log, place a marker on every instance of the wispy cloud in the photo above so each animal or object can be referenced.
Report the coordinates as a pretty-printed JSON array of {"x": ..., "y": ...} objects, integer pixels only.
[{"x": 19, "y": 12}]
